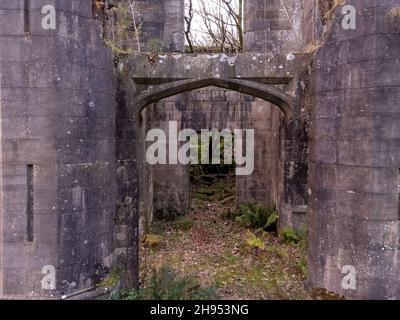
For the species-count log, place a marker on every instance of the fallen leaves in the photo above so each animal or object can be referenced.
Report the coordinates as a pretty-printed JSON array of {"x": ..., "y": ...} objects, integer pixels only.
[{"x": 220, "y": 253}]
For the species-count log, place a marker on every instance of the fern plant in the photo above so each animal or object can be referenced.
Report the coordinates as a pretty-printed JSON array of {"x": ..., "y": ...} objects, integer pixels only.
[
  {"x": 167, "y": 284},
  {"x": 257, "y": 215},
  {"x": 254, "y": 242},
  {"x": 288, "y": 235}
]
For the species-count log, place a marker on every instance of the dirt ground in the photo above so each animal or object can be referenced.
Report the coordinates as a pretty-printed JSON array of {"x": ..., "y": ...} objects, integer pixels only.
[{"x": 209, "y": 245}]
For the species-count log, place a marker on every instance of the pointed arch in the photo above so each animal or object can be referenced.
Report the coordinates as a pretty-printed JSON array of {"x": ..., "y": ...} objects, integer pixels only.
[{"x": 256, "y": 89}]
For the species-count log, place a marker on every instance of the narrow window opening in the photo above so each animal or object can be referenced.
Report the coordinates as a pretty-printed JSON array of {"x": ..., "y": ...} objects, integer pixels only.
[
  {"x": 29, "y": 203},
  {"x": 27, "y": 17}
]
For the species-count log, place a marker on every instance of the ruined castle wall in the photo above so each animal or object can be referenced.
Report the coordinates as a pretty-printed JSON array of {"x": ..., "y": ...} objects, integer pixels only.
[
  {"x": 162, "y": 25},
  {"x": 130, "y": 152},
  {"x": 213, "y": 108},
  {"x": 261, "y": 22},
  {"x": 354, "y": 170},
  {"x": 275, "y": 27},
  {"x": 57, "y": 148}
]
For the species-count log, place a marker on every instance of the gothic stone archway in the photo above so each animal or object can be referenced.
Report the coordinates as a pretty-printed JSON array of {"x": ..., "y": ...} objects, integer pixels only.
[
  {"x": 160, "y": 76},
  {"x": 258, "y": 75}
]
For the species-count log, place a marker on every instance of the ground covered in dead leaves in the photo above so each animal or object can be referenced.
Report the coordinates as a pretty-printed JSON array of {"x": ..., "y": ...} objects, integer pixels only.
[{"x": 210, "y": 246}]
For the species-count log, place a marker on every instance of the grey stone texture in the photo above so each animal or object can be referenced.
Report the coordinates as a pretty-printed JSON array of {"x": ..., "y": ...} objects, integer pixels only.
[
  {"x": 162, "y": 25},
  {"x": 261, "y": 75},
  {"x": 57, "y": 114},
  {"x": 214, "y": 108},
  {"x": 274, "y": 29},
  {"x": 354, "y": 167},
  {"x": 273, "y": 25},
  {"x": 73, "y": 174}
]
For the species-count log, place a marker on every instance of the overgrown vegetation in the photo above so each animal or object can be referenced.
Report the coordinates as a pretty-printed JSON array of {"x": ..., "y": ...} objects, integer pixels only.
[
  {"x": 151, "y": 241},
  {"x": 288, "y": 235},
  {"x": 185, "y": 223},
  {"x": 112, "y": 280},
  {"x": 253, "y": 241},
  {"x": 167, "y": 284},
  {"x": 327, "y": 9},
  {"x": 207, "y": 147},
  {"x": 121, "y": 30},
  {"x": 208, "y": 254},
  {"x": 213, "y": 182},
  {"x": 257, "y": 215}
]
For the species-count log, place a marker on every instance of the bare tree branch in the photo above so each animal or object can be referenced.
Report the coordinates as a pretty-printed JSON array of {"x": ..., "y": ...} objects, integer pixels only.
[
  {"x": 214, "y": 24},
  {"x": 188, "y": 20},
  {"x": 132, "y": 8}
]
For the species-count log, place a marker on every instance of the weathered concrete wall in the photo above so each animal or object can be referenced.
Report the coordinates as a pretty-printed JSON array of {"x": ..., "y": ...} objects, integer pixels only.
[
  {"x": 161, "y": 25},
  {"x": 61, "y": 170},
  {"x": 220, "y": 109},
  {"x": 354, "y": 206},
  {"x": 170, "y": 182},
  {"x": 275, "y": 27},
  {"x": 130, "y": 157},
  {"x": 261, "y": 22},
  {"x": 57, "y": 149}
]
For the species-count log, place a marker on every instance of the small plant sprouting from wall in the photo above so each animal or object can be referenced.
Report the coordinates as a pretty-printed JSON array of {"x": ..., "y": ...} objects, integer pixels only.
[
  {"x": 112, "y": 280},
  {"x": 122, "y": 30},
  {"x": 327, "y": 9}
]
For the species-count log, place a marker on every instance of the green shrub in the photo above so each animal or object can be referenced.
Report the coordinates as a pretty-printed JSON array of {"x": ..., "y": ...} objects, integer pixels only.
[
  {"x": 167, "y": 284},
  {"x": 303, "y": 265},
  {"x": 288, "y": 235},
  {"x": 112, "y": 280},
  {"x": 205, "y": 152},
  {"x": 254, "y": 242},
  {"x": 257, "y": 215}
]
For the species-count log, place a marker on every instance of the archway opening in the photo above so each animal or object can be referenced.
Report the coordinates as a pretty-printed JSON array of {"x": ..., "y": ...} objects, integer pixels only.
[
  {"x": 208, "y": 242},
  {"x": 213, "y": 182}
]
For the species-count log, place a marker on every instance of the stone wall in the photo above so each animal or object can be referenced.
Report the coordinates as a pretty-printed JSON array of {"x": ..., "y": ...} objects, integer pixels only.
[
  {"x": 57, "y": 148},
  {"x": 275, "y": 27},
  {"x": 355, "y": 160},
  {"x": 68, "y": 153},
  {"x": 220, "y": 109},
  {"x": 129, "y": 153},
  {"x": 162, "y": 25}
]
